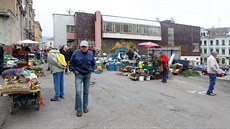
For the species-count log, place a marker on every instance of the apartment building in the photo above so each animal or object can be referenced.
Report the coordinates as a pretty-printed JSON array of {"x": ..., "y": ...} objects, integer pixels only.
[
  {"x": 217, "y": 39},
  {"x": 16, "y": 21},
  {"x": 37, "y": 32}
]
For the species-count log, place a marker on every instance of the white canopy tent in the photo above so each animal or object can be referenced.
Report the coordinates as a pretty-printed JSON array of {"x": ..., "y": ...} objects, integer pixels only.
[{"x": 27, "y": 41}]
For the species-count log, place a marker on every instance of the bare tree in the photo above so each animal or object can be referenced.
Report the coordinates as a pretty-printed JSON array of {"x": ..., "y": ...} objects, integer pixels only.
[{"x": 69, "y": 11}]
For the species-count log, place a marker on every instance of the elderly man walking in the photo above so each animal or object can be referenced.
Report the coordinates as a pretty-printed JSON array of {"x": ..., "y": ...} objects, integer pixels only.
[
  {"x": 212, "y": 69},
  {"x": 82, "y": 63}
]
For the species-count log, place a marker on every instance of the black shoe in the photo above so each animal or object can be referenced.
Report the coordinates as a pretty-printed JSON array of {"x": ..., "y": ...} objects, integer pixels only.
[
  {"x": 85, "y": 110},
  {"x": 55, "y": 99},
  {"x": 162, "y": 81},
  {"x": 62, "y": 97},
  {"x": 79, "y": 114}
]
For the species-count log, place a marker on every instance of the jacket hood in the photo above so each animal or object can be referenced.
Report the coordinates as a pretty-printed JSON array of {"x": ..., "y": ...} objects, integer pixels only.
[{"x": 54, "y": 51}]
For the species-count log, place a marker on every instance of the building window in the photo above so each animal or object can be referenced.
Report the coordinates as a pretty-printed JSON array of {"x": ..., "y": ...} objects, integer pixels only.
[
  {"x": 223, "y": 51},
  {"x": 108, "y": 27},
  {"x": 223, "y": 42},
  {"x": 171, "y": 36},
  {"x": 205, "y": 59},
  {"x": 196, "y": 58},
  {"x": 133, "y": 28},
  {"x": 205, "y": 51},
  {"x": 223, "y": 60},
  {"x": 70, "y": 29},
  {"x": 211, "y": 50},
  {"x": 117, "y": 27},
  {"x": 50, "y": 43},
  {"x": 141, "y": 29},
  {"x": 196, "y": 47},
  {"x": 205, "y": 42},
  {"x": 217, "y": 50},
  {"x": 229, "y": 51},
  {"x": 217, "y": 42},
  {"x": 229, "y": 42},
  {"x": 218, "y": 60},
  {"x": 211, "y": 42}
]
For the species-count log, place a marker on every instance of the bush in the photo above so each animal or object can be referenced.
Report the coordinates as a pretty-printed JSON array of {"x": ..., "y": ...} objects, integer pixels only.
[{"x": 189, "y": 72}]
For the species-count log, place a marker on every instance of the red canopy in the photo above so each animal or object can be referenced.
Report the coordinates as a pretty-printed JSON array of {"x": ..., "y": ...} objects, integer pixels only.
[{"x": 149, "y": 45}]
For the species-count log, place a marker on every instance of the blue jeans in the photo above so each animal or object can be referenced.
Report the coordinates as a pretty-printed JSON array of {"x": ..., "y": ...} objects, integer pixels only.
[
  {"x": 82, "y": 80},
  {"x": 58, "y": 79},
  {"x": 212, "y": 82},
  {"x": 164, "y": 75}
]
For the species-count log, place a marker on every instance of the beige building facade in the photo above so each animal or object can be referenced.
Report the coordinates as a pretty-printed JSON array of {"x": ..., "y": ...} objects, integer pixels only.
[
  {"x": 16, "y": 20},
  {"x": 37, "y": 32}
]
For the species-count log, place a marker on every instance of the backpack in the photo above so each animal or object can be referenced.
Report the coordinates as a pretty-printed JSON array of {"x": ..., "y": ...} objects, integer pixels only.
[{"x": 61, "y": 59}]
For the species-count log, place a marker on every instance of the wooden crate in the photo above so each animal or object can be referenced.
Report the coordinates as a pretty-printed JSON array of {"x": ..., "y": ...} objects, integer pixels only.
[
  {"x": 157, "y": 77},
  {"x": 9, "y": 88}
]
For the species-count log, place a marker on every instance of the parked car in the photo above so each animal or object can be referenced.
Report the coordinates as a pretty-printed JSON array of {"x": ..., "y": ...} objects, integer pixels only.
[
  {"x": 219, "y": 74},
  {"x": 199, "y": 67},
  {"x": 224, "y": 67}
]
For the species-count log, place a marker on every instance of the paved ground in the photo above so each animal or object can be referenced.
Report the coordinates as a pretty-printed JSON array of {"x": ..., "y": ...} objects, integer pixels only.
[{"x": 118, "y": 102}]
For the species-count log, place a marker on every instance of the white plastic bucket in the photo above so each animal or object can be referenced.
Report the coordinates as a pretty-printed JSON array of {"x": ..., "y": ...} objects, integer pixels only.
[
  {"x": 141, "y": 78},
  {"x": 148, "y": 78}
]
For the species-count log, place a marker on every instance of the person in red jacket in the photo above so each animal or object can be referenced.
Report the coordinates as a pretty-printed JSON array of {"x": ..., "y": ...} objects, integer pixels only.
[{"x": 164, "y": 65}]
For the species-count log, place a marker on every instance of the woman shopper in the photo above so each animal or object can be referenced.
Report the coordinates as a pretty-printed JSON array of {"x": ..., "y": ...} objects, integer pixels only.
[{"x": 57, "y": 65}]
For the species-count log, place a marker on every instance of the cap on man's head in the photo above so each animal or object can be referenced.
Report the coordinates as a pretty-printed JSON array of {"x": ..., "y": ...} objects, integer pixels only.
[{"x": 84, "y": 43}]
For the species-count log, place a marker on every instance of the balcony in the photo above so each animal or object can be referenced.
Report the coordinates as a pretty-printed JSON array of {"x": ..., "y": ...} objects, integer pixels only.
[{"x": 70, "y": 36}]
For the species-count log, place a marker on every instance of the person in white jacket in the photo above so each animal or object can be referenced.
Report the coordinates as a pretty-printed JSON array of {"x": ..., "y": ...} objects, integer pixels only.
[{"x": 212, "y": 69}]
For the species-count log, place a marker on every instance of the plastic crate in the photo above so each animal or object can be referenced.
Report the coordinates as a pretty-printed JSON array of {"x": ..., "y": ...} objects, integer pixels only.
[
  {"x": 111, "y": 67},
  {"x": 97, "y": 72},
  {"x": 148, "y": 67}
]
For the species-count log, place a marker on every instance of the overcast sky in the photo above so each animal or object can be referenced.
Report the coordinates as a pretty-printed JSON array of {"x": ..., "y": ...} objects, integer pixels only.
[{"x": 203, "y": 13}]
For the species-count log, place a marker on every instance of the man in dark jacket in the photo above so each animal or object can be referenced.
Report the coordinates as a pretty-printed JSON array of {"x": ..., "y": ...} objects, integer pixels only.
[
  {"x": 1, "y": 58},
  {"x": 67, "y": 55},
  {"x": 82, "y": 63}
]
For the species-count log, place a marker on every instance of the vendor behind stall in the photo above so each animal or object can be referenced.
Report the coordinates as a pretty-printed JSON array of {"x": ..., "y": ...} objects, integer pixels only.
[{"x": 14, "y": 72}]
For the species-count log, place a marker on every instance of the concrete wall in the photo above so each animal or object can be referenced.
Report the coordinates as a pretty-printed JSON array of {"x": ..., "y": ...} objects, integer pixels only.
[{"x": 60, "y": 21}]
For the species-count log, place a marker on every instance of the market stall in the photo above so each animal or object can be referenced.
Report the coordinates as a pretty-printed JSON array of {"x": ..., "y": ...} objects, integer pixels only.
[{"x": 22, "y": 88}]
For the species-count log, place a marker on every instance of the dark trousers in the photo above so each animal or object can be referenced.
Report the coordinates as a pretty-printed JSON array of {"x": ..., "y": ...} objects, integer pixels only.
[
  {"x": 164, "y": 75},
  {"x": 212, "y": 82}
]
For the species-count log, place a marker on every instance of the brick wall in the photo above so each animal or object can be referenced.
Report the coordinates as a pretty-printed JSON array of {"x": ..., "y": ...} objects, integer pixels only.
[
  {"x": 85, "y": 26},
  {"x": 184, "y": 36}
]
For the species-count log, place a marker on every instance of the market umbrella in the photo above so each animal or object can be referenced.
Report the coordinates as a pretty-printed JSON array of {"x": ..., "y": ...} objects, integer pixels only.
[
  {"x": 27, "y": 41},
  {"x": 149, "y": 45}
]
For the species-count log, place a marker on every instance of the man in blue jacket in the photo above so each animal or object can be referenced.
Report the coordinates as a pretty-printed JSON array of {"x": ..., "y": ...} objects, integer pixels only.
[{"x": 82, "y": 63}]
